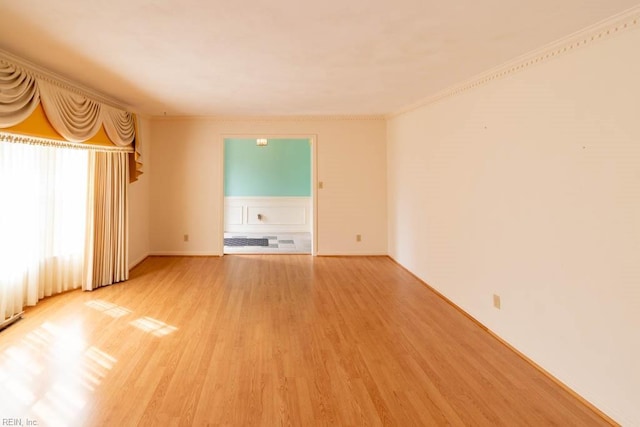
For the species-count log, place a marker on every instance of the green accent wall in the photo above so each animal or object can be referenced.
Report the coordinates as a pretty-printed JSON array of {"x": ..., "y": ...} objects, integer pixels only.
[{"x": 280, "y": 169}]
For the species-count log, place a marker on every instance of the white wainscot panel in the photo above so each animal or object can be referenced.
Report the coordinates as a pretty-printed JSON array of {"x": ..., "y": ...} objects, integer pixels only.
[
  {"x": 279, "y": 215},
  {"x": 233, "y": 215},
  {"x": 267, "y": 214}
]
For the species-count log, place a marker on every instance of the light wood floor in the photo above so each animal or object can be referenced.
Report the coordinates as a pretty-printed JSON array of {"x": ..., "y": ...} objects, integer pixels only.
[{"x": 268, "y": 340}]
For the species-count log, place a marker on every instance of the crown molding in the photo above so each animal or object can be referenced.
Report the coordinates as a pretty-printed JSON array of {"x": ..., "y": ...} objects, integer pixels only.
[
  {"x": 61, "y": 81},
  {"x": 144, "y": 116},
  {"x": 627, "y": 20},
  {"x": 270, "y": 118},
  {"x": 36, "y": 140}
]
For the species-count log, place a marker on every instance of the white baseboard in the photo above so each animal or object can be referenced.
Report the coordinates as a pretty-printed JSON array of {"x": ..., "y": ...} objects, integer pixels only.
[
  {"x": 137, "y": 261},
  {"x": 205, "y": 253},
  {"x": 328, "y": 254},
  {"x": 184, "y": 253},
  {"x": 11, "y": 320}
]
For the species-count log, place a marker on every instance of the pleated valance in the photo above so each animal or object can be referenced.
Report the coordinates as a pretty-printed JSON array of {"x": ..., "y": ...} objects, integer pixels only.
[
  {"x": 19, "y": 95},
  {"x": 74, "y": 116},
  {"x": 119, "y": 125}
]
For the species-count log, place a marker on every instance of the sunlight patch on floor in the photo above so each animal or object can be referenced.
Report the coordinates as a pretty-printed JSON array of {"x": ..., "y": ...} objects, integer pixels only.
[
  {"x": 108, "y": 308},
  {"x": 153, "y": 326},
  {"x": 50, "y": 374}
]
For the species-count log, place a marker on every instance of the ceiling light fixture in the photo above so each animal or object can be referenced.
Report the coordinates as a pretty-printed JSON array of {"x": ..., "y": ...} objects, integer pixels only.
[{"x": 261, "y": 142}]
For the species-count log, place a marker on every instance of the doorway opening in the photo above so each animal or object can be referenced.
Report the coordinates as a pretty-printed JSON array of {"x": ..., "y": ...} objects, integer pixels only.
[{"x": 269, "y": 202}]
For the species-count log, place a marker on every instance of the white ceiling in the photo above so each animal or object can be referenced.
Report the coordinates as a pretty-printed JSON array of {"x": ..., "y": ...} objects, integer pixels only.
[{"x": 283, "y": 57}]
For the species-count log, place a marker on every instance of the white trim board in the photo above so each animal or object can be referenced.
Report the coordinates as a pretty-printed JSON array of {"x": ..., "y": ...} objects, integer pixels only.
[
  {"x": 267, "y": 214},
  {"x": 184, "y": 253}
]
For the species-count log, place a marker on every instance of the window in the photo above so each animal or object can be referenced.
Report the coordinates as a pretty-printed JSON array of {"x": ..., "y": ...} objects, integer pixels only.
[{"x": 43, "y": 210}]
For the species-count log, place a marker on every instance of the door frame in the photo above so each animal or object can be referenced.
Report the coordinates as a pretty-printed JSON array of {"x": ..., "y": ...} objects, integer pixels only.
[{"x": 313, "y": 140}]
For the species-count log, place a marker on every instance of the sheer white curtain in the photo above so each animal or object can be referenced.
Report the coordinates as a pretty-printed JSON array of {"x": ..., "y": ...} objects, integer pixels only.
[
  {"x": 43, "y": 211},
  {"x": 63, "y": 221}
]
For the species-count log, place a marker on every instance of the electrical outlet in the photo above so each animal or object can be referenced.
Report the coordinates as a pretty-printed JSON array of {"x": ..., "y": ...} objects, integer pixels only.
[
  {"x": 358, "y": 238},
  {"x": 496, "y": 301},
  {"x": 186, "y": 237}
]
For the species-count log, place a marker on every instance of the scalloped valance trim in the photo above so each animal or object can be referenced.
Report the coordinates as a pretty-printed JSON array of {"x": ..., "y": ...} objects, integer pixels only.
[
  {"x": 36, "y": 140},
  {"x": 75, "y": 116},
  {"x": 42, "y": 73},
  {"x": 19, "y": 94}
]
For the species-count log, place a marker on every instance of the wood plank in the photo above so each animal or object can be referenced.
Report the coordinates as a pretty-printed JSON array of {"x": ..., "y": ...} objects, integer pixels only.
[{"x": 266, "y": 340}]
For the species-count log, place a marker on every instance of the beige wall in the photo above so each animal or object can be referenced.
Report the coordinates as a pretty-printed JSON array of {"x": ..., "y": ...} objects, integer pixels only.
[
  {"x": 529, "y": 187},
  {"x": 139, "y": 203},
  {"x": 186, "y": 183}
]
